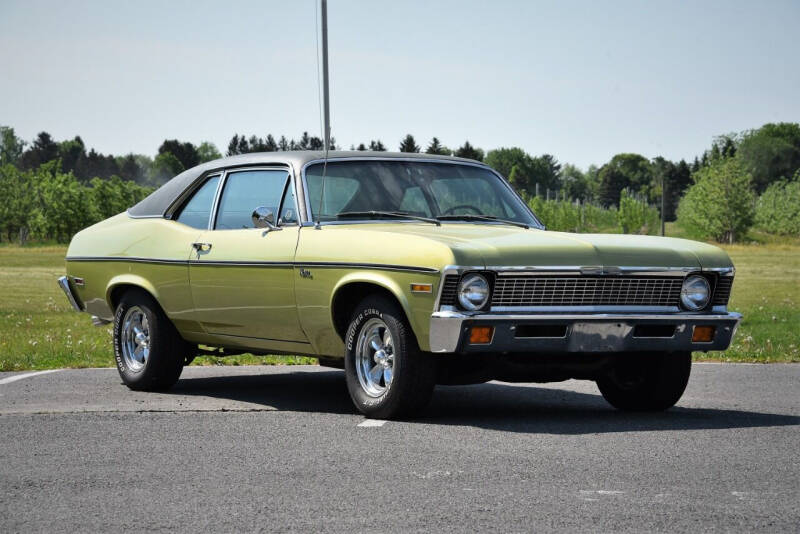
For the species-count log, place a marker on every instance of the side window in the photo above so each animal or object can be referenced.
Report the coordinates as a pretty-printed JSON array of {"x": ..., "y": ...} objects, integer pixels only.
[
  {"x": 244, "y": 191},
  {"x": 197, "y": 210},
  {"x": 288, "y": 210}
]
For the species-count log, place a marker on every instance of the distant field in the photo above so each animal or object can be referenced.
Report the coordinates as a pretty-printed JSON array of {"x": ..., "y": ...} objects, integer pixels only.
[{"x": 39, "y": 331}]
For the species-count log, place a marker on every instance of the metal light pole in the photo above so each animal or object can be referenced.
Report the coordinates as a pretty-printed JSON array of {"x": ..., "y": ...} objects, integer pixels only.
[
  {"x": 325, "y": 100},
  {"x": 663, "y": 194}
]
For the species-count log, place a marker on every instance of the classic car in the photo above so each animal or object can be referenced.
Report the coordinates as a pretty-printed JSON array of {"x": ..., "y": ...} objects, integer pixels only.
[{"x": 405, "y": 270}]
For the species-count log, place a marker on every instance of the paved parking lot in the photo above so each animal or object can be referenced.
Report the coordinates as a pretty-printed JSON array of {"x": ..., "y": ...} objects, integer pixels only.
[{"x": 281, "y": 448}]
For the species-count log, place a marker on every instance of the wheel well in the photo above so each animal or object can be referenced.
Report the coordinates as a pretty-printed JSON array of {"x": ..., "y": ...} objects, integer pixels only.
[
  {"x": 349, "y": 296},
  {"x": 119, "y": 290}
]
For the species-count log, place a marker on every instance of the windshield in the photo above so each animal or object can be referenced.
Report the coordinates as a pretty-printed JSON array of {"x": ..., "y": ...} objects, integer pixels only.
[{"x": 450, "y": 191}]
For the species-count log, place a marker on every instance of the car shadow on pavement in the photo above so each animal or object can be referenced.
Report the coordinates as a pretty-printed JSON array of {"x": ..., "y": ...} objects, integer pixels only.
[{"x": 495, "y": 406}]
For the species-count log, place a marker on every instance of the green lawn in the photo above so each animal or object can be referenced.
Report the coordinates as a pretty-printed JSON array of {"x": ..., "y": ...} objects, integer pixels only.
[{"x": 38, "y": 330}]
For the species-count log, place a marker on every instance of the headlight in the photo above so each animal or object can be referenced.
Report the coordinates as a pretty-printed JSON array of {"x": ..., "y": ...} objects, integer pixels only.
[
  {"x": 473, "y": 292},
  {"x": 695, "y": 293}
]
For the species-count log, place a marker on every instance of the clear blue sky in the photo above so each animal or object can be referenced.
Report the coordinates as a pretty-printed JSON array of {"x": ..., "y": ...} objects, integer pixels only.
[{"x": 582, "y": 80}]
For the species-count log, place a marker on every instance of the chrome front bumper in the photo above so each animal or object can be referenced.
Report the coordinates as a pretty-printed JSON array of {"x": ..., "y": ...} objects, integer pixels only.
[
  {"x": 582, "y": 333},
  {"x": 63, "y": 283}
]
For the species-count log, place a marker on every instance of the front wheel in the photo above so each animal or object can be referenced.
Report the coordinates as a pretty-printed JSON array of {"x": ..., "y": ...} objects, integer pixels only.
[
  {"x": 387, "y": 375},
  {"x": 643, "y": 382}
]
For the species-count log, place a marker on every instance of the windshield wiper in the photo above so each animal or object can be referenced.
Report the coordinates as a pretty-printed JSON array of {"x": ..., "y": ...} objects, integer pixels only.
[
  {"x": 471, "y": 217},
  {"x": 395, "y": 214}
]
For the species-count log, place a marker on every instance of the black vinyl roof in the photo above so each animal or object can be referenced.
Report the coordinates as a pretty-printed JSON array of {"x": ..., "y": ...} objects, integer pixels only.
[{"x": 157, "y": 203}]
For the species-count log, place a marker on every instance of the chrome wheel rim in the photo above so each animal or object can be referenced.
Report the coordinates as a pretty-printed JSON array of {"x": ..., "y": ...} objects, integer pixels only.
[
  {"x": 135, "y": 339},
  {"x": 375, "y": 358}
]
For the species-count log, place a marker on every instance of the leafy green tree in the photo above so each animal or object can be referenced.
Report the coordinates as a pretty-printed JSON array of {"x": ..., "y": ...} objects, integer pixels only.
[
  {"x": 16, "y": 190},
  {"x": 719, "y": 205},
  {"x": 435, "y": 147},
  {"x": 186, "y": 153},
  {"x": 503, "y": 161},
  {"x": 575, "y": 183},
  {"x": 545, "y": 171},
  {"x": 11, "y": 146},
  {"x": 165, "y": 167},
  {"x": 59, "y": 209},
  {"x": 408, "y": 144},
  {"x": 771, "y": 153},
  {"x": 624, "y": 171},
  {"x": 778, "y": 209},
  {"x": 519, "y": 180},
  {"x": 207, "y": 151},
  {"x": 635, "y": 216},
  {"x": 469, "y": 152}
]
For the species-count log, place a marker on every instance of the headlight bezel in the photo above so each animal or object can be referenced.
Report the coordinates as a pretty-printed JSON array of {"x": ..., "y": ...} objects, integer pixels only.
[
  {"x": 472, "y": 278},
  {"x": 698, "y": 281}
]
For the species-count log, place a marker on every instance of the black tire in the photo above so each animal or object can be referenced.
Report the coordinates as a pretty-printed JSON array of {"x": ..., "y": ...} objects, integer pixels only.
[
  {"x": 413, "y": 372},
  {"x": 167, "y": 350},
  {"x": 644, "y": 382}
]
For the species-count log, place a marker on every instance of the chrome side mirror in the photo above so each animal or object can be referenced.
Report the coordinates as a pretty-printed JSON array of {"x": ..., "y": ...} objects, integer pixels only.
[{"x": 264, "y": 218}]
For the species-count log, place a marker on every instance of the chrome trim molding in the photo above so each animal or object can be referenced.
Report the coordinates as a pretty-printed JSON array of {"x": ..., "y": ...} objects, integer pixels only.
[
  {"x": 132, "y": 259},
  {"x": 233, "y": 263},
  {"x": 63, "y": 283},
  {"x": 590, "y": 270}
]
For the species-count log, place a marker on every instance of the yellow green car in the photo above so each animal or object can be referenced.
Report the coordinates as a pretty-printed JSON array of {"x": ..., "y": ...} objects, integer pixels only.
[{"x": 405, "y": 270}]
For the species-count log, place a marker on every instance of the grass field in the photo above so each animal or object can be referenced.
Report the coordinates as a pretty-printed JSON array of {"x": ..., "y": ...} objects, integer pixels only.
[{"x": 38, "y": 330}]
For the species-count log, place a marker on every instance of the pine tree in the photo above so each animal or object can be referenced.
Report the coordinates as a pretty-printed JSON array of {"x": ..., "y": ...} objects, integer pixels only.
[
  {"x": 408, "y": 144},
  {"x": 377, "y": 146},
  {"x": 469, "y": 152},
  {"x": 233, "y": 146},
  {"x": 437, "y": 148}
]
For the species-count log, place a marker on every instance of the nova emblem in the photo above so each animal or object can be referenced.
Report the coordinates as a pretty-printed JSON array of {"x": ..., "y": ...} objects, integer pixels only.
[{"x": 305, "y": 273}]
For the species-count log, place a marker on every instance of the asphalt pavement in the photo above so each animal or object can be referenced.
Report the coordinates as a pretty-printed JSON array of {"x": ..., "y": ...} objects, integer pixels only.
[{"x": 282, "y": 449}]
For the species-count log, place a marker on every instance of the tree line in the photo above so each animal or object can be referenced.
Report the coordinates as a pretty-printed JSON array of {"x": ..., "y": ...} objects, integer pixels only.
[{"x": 741, "y": 179}]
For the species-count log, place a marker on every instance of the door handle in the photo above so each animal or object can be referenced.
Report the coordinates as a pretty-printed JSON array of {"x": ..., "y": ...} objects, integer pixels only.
[{"x": 202, "y": 247}]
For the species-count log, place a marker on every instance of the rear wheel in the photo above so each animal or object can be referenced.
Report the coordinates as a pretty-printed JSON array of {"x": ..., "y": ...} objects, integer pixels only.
[
  {"x": 387, "y": 375},
  {"x": 642, "y": 382},
  {"x": 148, "y": 350}
]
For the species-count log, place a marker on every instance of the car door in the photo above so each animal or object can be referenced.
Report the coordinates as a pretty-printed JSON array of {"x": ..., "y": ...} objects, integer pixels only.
[{"x": 241, "y": 276}]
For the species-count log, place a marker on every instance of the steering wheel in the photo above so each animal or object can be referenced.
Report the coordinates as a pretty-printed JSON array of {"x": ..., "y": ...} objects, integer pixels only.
[{"x": 463, "y": 206}]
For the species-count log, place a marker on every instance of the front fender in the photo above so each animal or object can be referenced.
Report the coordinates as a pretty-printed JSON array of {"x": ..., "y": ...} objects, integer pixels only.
[{"x": 378, "y": 279}]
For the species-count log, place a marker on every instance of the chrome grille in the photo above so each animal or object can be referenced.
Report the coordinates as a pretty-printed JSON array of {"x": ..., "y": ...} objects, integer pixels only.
[
  {"x": 723, "y": 290},
  {"x": 449, "y": 288},
  {"x": 586, "y": 291}
]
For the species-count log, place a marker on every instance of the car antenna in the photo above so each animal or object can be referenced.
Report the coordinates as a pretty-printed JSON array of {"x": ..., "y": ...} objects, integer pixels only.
[{"x": 326, "y": 130}]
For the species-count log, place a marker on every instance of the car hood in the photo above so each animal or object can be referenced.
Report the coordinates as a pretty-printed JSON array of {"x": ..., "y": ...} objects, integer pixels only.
[{"x": 498, "y": 245}]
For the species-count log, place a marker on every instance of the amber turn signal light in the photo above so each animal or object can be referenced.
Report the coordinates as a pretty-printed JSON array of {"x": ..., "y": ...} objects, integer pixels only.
[
  {"x": 481, "y": 334},
  {"x": 421, "y": 288},
  {"x": 703, "y": 333}
]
